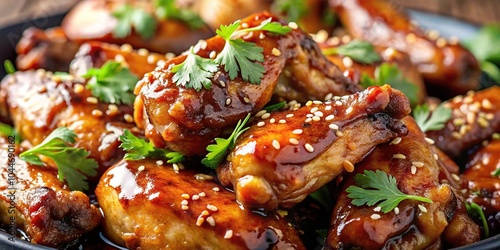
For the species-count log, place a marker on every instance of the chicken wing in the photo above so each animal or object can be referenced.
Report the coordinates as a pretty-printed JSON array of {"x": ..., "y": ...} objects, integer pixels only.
[
  {"x": 33, "y": 200},
  {"x": 288, "y": 155},
  {"x": 39, "y": 102},
  {"x": 151, "y": 206},
  {"x": 447, "y": 67},
  {"x": 413, "y": 225},
  {"x": 188, "y": 120},
  {"x": 475, "y": 117},
  {"x": 94, "y": 20}
]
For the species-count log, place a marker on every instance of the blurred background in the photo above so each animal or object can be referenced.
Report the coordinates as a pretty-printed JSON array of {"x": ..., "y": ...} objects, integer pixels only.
[{"x": 475, "y": 11}]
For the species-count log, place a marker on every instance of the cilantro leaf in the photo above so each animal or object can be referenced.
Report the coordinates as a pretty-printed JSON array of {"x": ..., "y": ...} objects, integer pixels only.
[
  {"x": 138, "y": 149},
  {"x": 128, "y": 17},
  {"x": 357, "y": 50},
  {"x": 474, "y": 210},
  {"x": 324, "y": 197},
  {"x": 218, "y": 150},
  {"x": 112, "y": 83},
  {"x": 390, "y": 74},
  {"x": 292, "y": 9},
  {"x": 485, "y": 48},
  {"x": 378, "y": 187},
  {"x": 237, "y": 56},
  {"x": 275, "y": 107},
  {"x": 8, "y": 131},
  {"x": 431, "y": 121},
  {"x": 9, "y": 67},
  {"x": 496, "y": 173},
  {"x": 195, "y": 72},
  {"x": 73, "y": 166},
  {"x": 166, "y": 9}
]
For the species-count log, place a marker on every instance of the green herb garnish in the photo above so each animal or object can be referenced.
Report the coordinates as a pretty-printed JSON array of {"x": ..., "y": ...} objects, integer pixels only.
[
  {"x": 474, "y": 210},
  {"x": 390, "y": 74},
  {"x": 496, "y": 173},
  {"x": 128, "y": 17},
  {"x": 73, "y": 166},
  {"x": 7, "y": 130},
  {"x": 195, "y": 72},
  {"x": 9, "y": 67},
  {"x": 292, "y": 9},
  {"x": 428, "y": 120},
  {"x": 112, "y": 83},
  {"x": 374, "y": 187},
  {"x": 138, "y": 149},
  {"x": 324, "y": 197},
  {"x": 166, "y": 9},
  {"x": 218, "y": 150},
  {"x": 485, "y": 48},
  {"x": 357, "y": 50},
  {"x": 275, "y": 107}
]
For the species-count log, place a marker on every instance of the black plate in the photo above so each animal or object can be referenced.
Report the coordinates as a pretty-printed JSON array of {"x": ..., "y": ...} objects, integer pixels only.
[{"x": 9, "y": 36}]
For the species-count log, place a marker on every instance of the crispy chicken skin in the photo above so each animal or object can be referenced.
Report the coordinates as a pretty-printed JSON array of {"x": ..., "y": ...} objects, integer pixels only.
[
  {"x": 43, "y": 207},
  {"x": 448, "y": 68},
  {"x": 45, "y": 49},
  {"x": 94, "y": 20},
  {"x": 95, "y": 54},
  {"x": 282, "y": 159},
  {"x": 188, "y": 120},
  {"x": 481, "y": 187},
  {"x": 475, "y": 117},
  {"x": 147, "y": 206},
  {"x": 412, "y": 227},
  {"x": 65, "y": 103}
]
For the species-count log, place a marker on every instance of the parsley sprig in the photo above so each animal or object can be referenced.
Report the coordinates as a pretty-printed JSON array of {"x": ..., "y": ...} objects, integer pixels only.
[
  {"x": 474, "y": 210},
  {"x": 166, "y": 9},
  {"x": 73, "y": 166},
  {"x": 434, "y": 120},
  {"x": 138, "y": 149},
  {"x": 357, "y": 50},
  {"x": 112, "y": 83},
  {"x": 128, "y": 16},
  {"x": 237, "y": 56},
  {"x": 390, "y": 74},
  {"x": 218, "y": 150},
  {"x": 378, "y": 187}
]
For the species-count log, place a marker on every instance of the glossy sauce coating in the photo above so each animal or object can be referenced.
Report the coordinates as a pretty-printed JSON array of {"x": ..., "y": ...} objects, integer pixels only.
[
  {"x": 150, "y": 206},
  {"x": 284, "y": 157}
]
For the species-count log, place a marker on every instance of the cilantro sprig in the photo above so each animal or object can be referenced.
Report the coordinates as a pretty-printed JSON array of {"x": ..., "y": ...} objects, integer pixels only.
[
  {"x": 428, "y": 120},
  {"x": 7, "y": 130},
  {"x": 474, "y": 210},
  {"x": 485, "y": 48},
  {"x": 112, "y": 83},
  {"x": 9, "y": 67},
  {"x": 237, "y": 56},
  {"x": 138, "y": 149},
  {"x": 390, "y": 74},
  {"x": 128, "y": 16},
  {"x": 166, "y": 9},
  {"x": 73, "y": 166},
  {"x": 357, "y": 50},
  {"x": 218, "y": 150},
  {"x": 293, "y": 9},
  {"x": 378, "y": 187}
]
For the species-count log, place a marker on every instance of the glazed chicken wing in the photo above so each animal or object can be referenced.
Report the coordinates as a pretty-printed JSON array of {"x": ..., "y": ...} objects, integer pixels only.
[
  {"x": 188, "y": 120},
  {"x": 447, "y": 67},
  {"x": 413, "y": 225},
  {"x": 475, "y": 117},
  {"x": 39, "y": 102},
  {"x": 34, "y": 200},
  {"x": 288, "y": 155},
  {"x": 151, "y": 206}
]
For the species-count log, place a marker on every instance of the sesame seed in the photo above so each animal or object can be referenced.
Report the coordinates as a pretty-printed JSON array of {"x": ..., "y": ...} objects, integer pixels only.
[
  {"x": 142, "y": 52},
  {"x": 316, "y": 118},
  {"x": 262, "y": 36},
  {"x": 328, "y": 107},
  {"x": 246, "y": 99},
  {"x": 169, "y": 55},
  {"x": 333, "y": 126},
  {"x": 308, "y": 120},
  {"x": 495, "y": 136},
  {"x": 441, "y": 42},
  {"x": 150, "y": 59},
  {"x": 417, "y": 164},
  {"x": 229, "y": 234},
  {"x": 309, "y": 103},
  {"x": 313, "y": 110},
  {"x": 260, "y": 124},
  {"x": 375, "y": 216},
  {"x": 436, "y": 157},
  {"x": 282, "y": 121},
  {"x": 276, "y": 144},
  {"x": 349, "y": 110},
  {"x": 456, "y": 135},
  {"x": 203, "y": 44},
  {"x": 429, "y": 140},
  {"x": 317, "y": 102},
  {"x": 92, "y": 100},
  {"x": 222, "y": 83},
  {"x": 202, "y": 194},
  {"x": 422, "y": 208},
  {"x": 321, "y": 36},
  {"x": 463, "y": 129},
  {"x": 309, "y": 147},
  {"x": 128, "y": 118},
  {"x": 455, "y": 177},
  {"x": 185, "y": 196},
  {"x": 216, "y": 189},
  {"x": 293, "y": 141},
  {"x": 175, "y": 167},
  {"x": 458, "y": 121},
  {"x": 396, "y": 141},
  {"x": 289, "y": 116},
  {"x": 309, "y": 115},
  {"x": 413, "y": 170},
  {"x": 159, "y": 162},
  {"x": 200, "y": 220},
  {"x": 272, "y": 120},
  {"x": 339, "y": 133},
  {"x": 399, "y": 156},
  {"x": 329, "y": 118},
  {"x": 411, "y": 38},
  {"x": 260, "y": 113},
  {"x": 347, "y": 61},
  {"x": 328, "y": 96},
  {"x": 126, "y": 48},
  {"x": 112, "y": 109},
  {"x": 184, "y": 202},
  {"x": 352, "y": 146},
  {"x": 346, "y": 39},
  {"x": 265, "y": 116},
  {"x": 483, "y": 123},
  {"x": 433, "y": 34},
  {"x": 348, "y": 166},
  {"x": 141, "y": 168},
  {"x": 96, "y": 112},
  {"x": 396, "y": 210},
  {"x": 212, "y": 55},
  {"x": 377, "y": 209},
  {"x": 78, "y": 88},
  {"x": 119, "y": 58},
  {"x": 244, "y": 25},
  {"x": 293, "y": 25},
  {"x": 318, "y": 114},
  {"x": 204, "y": 213},
  {"x": 184, "y": 207},
  {"x": 195, "y": 197},
  {"x": 276, "y": 52},
  {"x": 338, "y": 103},
  {"x": 486, "y": 104},
  {"x": 212, "y": 208},
  {"x": 211, "y": 221},
  {"x": 228, "y": 101}
]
